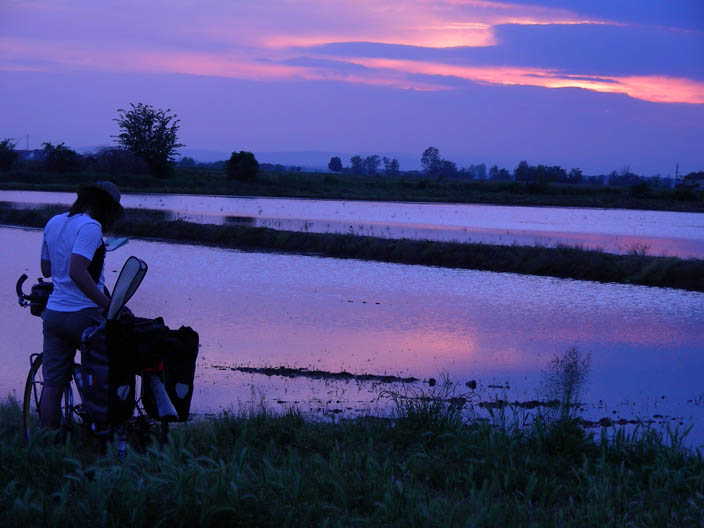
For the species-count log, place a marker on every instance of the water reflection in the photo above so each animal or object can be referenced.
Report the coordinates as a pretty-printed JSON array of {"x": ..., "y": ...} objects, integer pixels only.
[
  {"x": 613, "y": 230},
  {"x": 258, "y": 310}
]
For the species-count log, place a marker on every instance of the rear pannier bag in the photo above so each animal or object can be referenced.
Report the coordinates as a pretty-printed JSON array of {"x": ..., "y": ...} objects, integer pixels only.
[
  {"x": 111, "y": 355},
  {"x": 175, "y": 353},
  {"x": 108, "y": 366}
]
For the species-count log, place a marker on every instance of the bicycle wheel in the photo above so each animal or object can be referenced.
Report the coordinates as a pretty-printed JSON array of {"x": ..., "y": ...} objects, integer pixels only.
[{"x": 32, "y": 396}]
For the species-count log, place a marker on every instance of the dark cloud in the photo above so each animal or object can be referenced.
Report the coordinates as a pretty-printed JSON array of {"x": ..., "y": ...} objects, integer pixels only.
[{"x": 682, "y": 14}]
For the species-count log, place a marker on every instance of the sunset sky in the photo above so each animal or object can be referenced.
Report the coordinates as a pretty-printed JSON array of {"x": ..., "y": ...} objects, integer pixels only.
[{"x": 599, "y": 85}]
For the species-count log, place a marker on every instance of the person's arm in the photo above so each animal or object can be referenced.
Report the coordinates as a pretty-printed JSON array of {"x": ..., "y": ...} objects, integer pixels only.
[
  {"x": 46, "y": 268},
  {"x": 78, "y": 271},
  {"x": 45, "y": 260}
]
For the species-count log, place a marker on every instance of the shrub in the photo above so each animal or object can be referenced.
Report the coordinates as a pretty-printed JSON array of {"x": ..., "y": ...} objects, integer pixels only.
[
  {"x": 61, "y": 158},
  {"x": 640, "y": 190},
  {"x": 117, "y": 160},
  {"x": 242, "y": 166},
  {"x": 8, "y": 154}
]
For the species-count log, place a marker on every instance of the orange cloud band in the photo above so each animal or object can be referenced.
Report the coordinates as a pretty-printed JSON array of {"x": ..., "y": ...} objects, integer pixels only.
[
  {"x": 653, "y": 88},
  {"x": 380, "y": 72}
]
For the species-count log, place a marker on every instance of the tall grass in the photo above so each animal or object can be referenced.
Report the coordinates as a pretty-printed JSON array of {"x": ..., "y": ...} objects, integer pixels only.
[{"x": 423, "y": 468}]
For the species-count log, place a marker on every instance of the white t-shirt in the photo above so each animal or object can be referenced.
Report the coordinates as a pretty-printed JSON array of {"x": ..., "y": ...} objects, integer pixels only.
[{"x": 64, "y": 235}]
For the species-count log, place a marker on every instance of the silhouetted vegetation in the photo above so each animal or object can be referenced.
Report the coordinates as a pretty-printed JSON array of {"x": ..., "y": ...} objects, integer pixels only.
[
  {"x": 427, "y": 466},
  {"x": 242, "y": 166},
  {"x": 8, "y": 154},
  {"x": 187, "y": 163},
  {"x": 150, "y": 134},
  {"x": 562, "y": 262},
  {"x": 435, "y": 166},
  {"x": 335, "y": 164},
  {"x": 115, "y": 161},
  {"x": 290, "y": 182},
  {"x": 60, "y": 158}
]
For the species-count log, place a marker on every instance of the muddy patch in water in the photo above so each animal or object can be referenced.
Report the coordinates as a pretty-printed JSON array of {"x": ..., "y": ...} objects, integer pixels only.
[{"x": 288, "y": 372}]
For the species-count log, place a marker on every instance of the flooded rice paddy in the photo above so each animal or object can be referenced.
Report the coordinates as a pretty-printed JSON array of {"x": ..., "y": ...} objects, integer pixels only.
[
  {"x": 613, "y": 230},
  {"x": 274, "y": 326}
]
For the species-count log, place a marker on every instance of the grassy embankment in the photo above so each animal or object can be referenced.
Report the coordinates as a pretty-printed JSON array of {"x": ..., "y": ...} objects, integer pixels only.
[
  {"x": 561, "y": 262},
  {"x": 348, "y": 187},
  {"x": 425, "y": 468}
]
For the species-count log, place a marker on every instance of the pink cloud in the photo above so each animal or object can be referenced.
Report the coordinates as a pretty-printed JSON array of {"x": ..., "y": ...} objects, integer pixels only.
[
  {"x": 245, "y": 41},
  {"x": 658, "y": 89}
]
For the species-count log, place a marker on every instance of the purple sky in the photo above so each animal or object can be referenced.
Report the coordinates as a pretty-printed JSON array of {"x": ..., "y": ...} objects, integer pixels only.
[{"x": 595, "y": 85}]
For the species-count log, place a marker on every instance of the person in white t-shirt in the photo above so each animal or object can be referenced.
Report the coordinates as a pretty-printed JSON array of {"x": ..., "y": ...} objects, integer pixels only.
[{"x": 73, "y": 253}]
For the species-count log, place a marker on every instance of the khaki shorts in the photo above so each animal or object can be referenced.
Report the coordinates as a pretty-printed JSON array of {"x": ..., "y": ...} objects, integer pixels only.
[{"x": 62, "y": 337}]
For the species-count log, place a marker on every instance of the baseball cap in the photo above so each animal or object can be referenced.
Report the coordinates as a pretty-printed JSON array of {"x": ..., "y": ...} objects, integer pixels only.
[{"x": 107, "y": 187}]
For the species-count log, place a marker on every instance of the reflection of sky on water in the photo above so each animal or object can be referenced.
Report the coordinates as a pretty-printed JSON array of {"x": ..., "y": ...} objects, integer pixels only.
[
  {"x": 259, "y": 309},
  {"x": 614, "y": 230}
]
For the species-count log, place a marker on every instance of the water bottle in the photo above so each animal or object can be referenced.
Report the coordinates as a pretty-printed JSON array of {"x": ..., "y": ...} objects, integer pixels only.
[{"x": 78, "y": 377}]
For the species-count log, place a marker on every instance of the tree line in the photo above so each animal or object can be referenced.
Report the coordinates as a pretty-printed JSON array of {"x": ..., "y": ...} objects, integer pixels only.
[
  {"x": 437, "y": 167},
  {"x": 147, "y": 143}
]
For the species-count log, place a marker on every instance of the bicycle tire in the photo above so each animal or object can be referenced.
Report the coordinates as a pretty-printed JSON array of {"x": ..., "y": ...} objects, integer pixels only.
[{"x": 32, "y": 395}]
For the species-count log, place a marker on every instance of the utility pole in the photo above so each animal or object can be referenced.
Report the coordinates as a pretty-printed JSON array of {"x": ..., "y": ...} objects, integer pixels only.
[{"x": 677, "y": 172}]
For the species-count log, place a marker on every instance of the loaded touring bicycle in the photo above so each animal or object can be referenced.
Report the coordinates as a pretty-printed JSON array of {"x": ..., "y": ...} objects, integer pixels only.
[{"x": 104, "y": 392}]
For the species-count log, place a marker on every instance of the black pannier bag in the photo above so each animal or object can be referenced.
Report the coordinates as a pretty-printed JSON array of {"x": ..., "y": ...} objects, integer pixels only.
[
  {"x": 114, "y": 352},
  {"x": 170, "y": 354},
  {"x": 109, "y": 365},
  {"x": 39, "y": 297}
]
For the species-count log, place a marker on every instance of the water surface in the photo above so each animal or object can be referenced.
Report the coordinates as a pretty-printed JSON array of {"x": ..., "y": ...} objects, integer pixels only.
[
  {"x": 258, "y": 309},
  {"x": 613, "y": 230}
]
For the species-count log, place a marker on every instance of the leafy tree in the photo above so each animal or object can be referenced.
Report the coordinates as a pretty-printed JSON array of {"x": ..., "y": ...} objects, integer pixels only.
[
  {"x": 446, "y": 169},
  {"x": 391, "y": 167},
  {"x": 494, "y": 172},
  {"x": 151, "y": 134},
  {"x": 478, "y": 172},
  {"x": 434, "y": 165},
  {"x": 8, "y": 154},
  {"x": 540, "y": 173},
  {"x": 575, "y": 176},
  {"x": 187, "y": 163},
  {"x": 624, "y": 177},
  {"x": 116, "y": 160},
  {"x": 504, "y": 175},
  {"x": 242, "y": 166},
  {"x": 371, "y": 164},
  {"x": 335, "y": 164},
  {"x": 522, "y": 172},
  {"x": 430, "y": 159},
  {"x": 60, "y": 158},
  {"x": 357, "y": 165}
]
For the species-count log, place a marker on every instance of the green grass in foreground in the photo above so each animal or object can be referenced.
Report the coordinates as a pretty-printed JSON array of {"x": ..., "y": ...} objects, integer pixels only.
[
  {"x": 376, "y": 188},
  {"x": 561, "y": 262},
  {"x": 425, "y": 468}
]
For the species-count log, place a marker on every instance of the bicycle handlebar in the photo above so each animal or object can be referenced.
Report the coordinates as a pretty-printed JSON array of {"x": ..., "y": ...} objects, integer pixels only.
[{"x": 21, "y": 297}]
